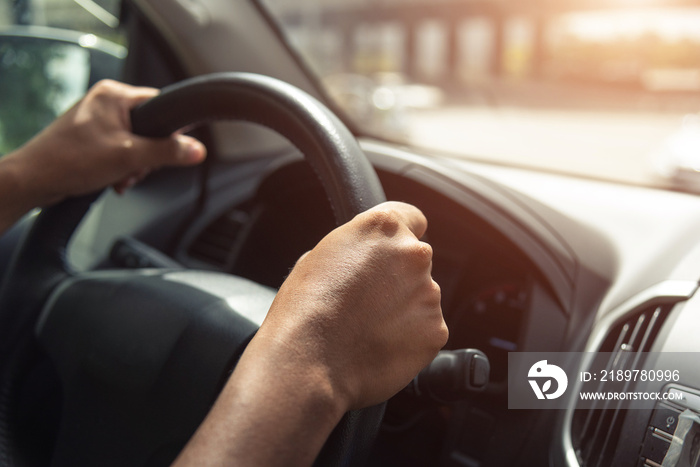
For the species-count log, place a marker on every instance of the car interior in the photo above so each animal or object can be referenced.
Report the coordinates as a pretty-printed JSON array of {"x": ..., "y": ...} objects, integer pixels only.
[{"x": 529, "y": 260}]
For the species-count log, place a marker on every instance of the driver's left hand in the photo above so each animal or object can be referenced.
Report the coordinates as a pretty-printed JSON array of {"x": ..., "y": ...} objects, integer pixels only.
[{"x": 88, "y": 148}]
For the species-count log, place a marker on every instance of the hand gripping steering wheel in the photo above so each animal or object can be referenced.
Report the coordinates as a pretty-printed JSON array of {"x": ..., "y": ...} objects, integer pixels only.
[{"x": 141, "y": 357}]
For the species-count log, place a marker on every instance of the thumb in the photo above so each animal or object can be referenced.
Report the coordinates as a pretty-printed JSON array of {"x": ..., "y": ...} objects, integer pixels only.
[{"x": 175, "y": 150}]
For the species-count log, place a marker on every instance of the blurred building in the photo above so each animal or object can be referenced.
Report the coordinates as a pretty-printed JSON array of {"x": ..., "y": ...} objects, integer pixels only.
[{"x": 445, "y": 42}]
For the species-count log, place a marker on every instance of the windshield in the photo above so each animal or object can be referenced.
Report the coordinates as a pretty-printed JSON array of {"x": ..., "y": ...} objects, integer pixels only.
[{"x": 612, "y": 93}]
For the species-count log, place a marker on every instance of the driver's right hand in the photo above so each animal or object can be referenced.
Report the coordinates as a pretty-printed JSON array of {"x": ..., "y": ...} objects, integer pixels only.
[{"x": 361, "y": 308}]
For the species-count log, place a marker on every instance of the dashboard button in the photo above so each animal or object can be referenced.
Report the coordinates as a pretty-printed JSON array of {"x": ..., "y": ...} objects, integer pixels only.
[{"x": 665, "y": 419}]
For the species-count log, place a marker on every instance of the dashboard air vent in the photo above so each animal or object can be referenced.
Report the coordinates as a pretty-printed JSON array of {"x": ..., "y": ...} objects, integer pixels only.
[
  {"x": 595, "y": 431},
  {"x": 215, "y": 244}
]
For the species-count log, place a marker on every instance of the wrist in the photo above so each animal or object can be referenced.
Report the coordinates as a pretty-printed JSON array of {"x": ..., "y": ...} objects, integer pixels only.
[
  {"x": 305, "y": 378},
  {"x": 273, "y": 411},
  {"x": 300, "y": 345}
]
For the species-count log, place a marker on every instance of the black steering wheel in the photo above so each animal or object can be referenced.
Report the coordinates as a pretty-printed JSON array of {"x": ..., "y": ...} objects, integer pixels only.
[{"x": 142, "y": 355}]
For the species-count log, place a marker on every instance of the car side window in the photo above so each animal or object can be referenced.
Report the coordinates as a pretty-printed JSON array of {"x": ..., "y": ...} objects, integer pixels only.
[{"x": 51, "y": 52}]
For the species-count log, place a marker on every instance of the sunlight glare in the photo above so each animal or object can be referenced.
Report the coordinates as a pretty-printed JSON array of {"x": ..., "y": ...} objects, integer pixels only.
[{"x": 671, "y": 24}]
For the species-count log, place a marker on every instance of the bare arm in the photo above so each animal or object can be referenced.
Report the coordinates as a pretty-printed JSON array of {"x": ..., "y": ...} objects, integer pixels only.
[
  {"x": 86, "y": 149},
  {"x": 355, "y": 320}
]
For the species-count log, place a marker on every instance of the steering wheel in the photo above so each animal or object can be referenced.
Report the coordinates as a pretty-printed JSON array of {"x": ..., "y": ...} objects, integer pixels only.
[{"x": 142, "y": 355}]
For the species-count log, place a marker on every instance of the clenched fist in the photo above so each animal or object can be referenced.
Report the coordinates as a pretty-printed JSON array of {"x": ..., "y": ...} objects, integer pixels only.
[{"x": 362, "y": 306}]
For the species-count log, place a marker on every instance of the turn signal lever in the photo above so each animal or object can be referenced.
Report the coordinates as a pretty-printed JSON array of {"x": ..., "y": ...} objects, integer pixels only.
[{"x": 452, "y": 376}]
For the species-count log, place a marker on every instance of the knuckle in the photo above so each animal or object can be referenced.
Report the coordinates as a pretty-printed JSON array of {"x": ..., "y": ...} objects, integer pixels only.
[
  {"x": 423, "y": 252},
  {"x": 440, "y": 331},
  {"x": 104, "y": 87},
  {"x": 442, "y": 335},
  {"x": 302, "y": 257},
  {"x": 419, "y": 253},
  {"x": 381, "y": 220},
  {"x": 433, "y": 297},
  {"x": 435, "y": 289}
]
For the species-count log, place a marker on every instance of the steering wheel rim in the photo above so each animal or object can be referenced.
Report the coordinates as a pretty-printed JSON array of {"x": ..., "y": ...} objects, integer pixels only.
[{"x": 332, "y": 151}]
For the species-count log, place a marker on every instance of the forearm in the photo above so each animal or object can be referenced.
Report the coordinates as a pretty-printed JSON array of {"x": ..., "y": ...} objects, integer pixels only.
[
  {"x": 17, "y": 193},
  {"x": 272, "y": 412}
]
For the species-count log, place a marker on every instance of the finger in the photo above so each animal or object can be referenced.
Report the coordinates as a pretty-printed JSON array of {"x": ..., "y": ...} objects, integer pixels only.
[
  {"x": 152, "y": 153},
  {"x": 110, "y": 94},
  {"x": 301, "y": 258},
  {"x": 141, "y": 174},
  {"x": 136, "y": 96},
  {"x": 129, "y": 181},
  {"x": 130, "y": 95},
  {"x": 121, "y": 186},
  {"x": 409, "y": 215}
]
